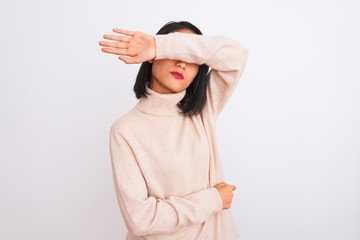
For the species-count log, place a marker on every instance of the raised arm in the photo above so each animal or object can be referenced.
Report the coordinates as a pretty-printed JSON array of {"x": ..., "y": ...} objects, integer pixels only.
[
  {"x": 144, "y": 214},
  {"x": 226, "y": 57}
]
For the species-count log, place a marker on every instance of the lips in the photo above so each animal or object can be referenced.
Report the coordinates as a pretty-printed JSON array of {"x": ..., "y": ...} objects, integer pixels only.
[{"x": 177, "y": 75}]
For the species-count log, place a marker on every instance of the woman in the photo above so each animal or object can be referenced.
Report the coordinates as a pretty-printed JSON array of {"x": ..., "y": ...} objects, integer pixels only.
[{"x": 166, "y": 166}]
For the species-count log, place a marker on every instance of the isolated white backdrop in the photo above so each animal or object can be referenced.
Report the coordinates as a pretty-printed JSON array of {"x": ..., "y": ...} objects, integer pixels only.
[{"x": 289, "y": 136}]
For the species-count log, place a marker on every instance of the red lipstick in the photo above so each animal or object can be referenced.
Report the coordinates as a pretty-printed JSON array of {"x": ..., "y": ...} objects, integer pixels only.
[{"x": 177, "y": 75}]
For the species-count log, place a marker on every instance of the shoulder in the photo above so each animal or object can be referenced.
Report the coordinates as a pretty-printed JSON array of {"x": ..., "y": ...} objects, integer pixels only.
[{"x": 125, "y": 123}]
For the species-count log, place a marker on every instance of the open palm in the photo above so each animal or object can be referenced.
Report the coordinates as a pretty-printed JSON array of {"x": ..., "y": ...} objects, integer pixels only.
[{"x": 132, "y": 47}]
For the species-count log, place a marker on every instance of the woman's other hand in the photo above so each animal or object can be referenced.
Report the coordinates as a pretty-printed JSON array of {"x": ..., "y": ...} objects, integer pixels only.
[
  {"x": 132, "y": 47},
  {"x": 226, "y": 193}
]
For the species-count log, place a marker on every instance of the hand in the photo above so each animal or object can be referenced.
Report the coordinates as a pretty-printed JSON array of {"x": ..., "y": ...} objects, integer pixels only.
[
  {"x": 132, "y": 47},
  {"x": 226, "y": 193}
]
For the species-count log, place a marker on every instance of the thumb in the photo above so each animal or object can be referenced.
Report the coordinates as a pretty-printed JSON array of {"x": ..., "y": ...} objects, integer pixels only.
[
  {"x": 220, "y": 184},
  {"x": 129, "y": 60}
]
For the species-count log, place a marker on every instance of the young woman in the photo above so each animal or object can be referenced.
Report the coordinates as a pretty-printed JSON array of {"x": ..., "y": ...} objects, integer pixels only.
[{"x": 166, "y": 165}]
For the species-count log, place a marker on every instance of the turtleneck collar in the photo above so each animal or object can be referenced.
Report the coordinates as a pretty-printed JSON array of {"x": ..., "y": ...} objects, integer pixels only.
[{"x": 160, "y": 104}]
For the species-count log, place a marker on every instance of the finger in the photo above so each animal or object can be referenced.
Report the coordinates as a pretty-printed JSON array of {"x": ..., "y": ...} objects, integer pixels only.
[
  {"x": 116, "y": 38},
  {"x": 117, "y": 51},
  {"x": 231, "y": 197},
  {"x": 113, "y": 44},
  {"x": 220, "y": 184},
  {"x": 129, "y": 60},
  {"x": 123, "y": 31}
]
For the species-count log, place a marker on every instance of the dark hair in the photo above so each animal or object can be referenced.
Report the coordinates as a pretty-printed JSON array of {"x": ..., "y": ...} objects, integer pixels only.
[{"x": 195, "y": 96}]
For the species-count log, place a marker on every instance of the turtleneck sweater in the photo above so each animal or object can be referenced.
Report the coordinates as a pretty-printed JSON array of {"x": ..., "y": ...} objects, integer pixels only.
[{"x": 165, "y": 164}]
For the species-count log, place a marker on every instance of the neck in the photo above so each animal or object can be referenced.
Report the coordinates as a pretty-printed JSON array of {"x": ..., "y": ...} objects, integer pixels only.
[{"x": 160, "y": 104}]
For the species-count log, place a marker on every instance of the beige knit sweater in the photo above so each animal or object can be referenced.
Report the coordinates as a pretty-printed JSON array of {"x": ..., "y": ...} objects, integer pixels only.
[{"x": 165, "y": 164}]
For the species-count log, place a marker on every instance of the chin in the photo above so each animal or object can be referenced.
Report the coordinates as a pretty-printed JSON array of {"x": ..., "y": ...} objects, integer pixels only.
[{"x": 177, "y": 90}]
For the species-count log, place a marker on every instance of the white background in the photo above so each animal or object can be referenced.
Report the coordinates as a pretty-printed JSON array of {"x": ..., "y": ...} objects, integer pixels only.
[{"x": 289, "y": 136}]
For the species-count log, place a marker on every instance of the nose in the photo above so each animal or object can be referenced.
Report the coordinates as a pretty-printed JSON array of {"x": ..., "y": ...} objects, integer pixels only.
[{"x": 181, "y": 65}]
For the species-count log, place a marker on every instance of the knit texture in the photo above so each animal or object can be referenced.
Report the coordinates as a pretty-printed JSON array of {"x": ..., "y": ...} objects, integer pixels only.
[{"x": 165, "y": 164}]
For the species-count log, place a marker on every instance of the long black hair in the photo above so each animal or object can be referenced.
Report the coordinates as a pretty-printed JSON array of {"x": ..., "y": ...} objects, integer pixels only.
[{"x": 195, "y": 97}]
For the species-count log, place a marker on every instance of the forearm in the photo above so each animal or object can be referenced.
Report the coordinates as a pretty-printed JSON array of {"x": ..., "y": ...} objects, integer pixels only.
[
  {"x": 219, "y": 53},
  {"x": 153, "y": 215}
]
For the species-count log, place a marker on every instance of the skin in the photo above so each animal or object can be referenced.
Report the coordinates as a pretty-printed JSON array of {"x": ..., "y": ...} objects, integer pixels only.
[{"x": 137, "y": 47}]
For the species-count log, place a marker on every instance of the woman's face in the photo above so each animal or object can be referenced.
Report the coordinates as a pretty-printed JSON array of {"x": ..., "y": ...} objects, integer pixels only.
[{"x": 172, "y": 76}]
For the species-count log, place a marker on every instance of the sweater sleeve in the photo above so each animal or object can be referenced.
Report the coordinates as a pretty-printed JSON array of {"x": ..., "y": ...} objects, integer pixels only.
[
  {"x": 144, "y": 214},
  {"x": 224, "y": 56}
]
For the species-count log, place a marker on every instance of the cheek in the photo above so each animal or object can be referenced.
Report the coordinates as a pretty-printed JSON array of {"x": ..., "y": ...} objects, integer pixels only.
[
  {"x": 156, "y": 72},
  {"x": 155, "y": 68},
  {"x": 193, "y": 71}
]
